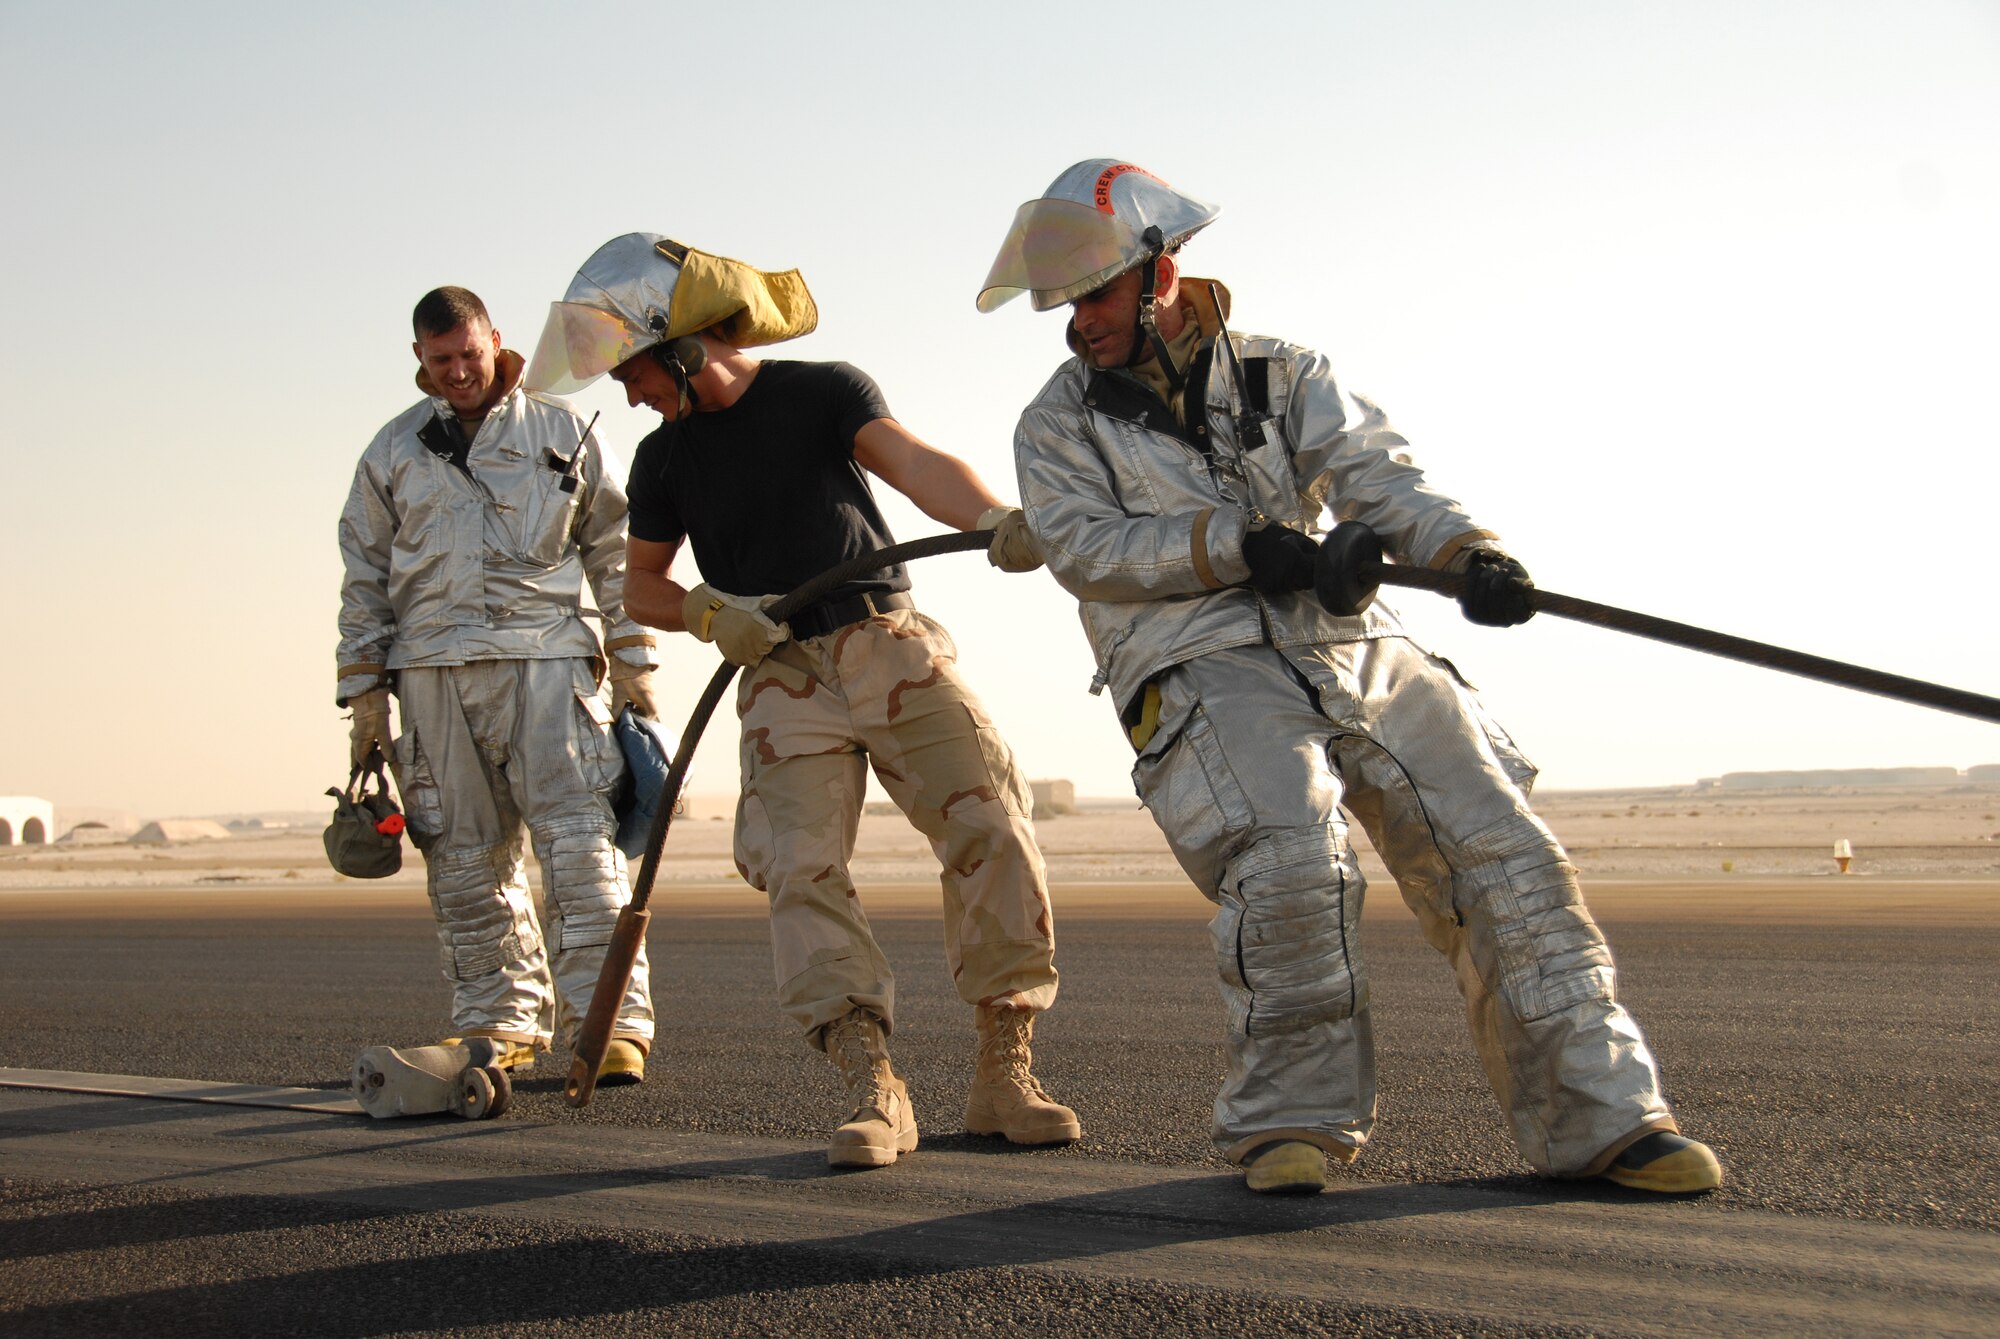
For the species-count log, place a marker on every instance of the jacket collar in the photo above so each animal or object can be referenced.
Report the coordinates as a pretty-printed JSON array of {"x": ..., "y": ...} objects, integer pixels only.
[{"x": 1210, "y": 312}]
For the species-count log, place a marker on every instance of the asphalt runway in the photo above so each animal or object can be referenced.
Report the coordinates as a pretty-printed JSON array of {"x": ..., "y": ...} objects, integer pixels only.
[{"x": 1838, "y": 1043}]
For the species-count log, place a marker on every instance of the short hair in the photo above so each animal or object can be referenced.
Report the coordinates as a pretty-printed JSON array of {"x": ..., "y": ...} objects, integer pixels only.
[{"x": 443, "y": 310}]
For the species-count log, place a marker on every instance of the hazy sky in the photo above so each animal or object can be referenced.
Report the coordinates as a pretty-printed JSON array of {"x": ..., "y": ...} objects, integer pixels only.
[{"x": 1693, "y": 303}]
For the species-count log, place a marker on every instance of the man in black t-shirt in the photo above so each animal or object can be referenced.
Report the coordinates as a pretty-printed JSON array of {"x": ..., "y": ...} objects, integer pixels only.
[
  {"x": 763, "y": 467},
  {"x": 785, "y": 451}
]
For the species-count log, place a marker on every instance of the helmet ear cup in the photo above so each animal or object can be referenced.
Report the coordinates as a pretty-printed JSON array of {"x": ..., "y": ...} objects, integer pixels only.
[{"x": 684, "y": 356}]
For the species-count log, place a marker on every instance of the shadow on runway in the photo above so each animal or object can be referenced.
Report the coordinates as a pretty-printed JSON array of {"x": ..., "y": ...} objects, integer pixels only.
[{"x": 601, "y": 1272}]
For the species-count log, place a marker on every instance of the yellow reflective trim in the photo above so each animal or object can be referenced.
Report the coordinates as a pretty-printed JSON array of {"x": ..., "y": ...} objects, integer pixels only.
[{"x": 1148, "y": 724}]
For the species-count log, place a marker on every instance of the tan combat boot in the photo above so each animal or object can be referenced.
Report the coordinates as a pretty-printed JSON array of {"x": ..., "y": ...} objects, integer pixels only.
[
  {"x": 883, "y": 1123},
  {"x": 1005, "y": 1097}
]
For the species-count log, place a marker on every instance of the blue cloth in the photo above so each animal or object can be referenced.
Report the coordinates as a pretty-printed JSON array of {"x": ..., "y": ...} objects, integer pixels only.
[{"x": 648, "y": 755}]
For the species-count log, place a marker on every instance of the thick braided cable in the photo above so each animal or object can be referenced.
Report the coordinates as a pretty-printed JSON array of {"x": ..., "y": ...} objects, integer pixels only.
[
  {"x": 615, "y": 978},
  {"x": 818, "y": 588},
  {"x": 1762, "y": 654}
]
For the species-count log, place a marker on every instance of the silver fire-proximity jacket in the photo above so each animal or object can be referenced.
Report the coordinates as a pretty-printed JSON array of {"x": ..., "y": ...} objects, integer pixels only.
[
  {"x": 1144, "y": 521},
  {"x": 447, "y": 564}
]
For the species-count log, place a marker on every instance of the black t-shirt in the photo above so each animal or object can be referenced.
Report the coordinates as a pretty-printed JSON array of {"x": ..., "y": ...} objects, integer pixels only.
[{"x": 768, "y": 491}]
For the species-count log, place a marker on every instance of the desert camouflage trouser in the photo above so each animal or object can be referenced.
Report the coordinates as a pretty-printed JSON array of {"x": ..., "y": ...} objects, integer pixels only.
[{"x": 815, "y": 713}]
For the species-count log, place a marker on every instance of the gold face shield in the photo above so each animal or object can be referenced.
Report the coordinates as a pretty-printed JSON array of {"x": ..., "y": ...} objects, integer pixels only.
[
  {"x": 1057, "y": 251},
  {"x": 1097, "y": 220},
  {"x": 579, "y": 344}
]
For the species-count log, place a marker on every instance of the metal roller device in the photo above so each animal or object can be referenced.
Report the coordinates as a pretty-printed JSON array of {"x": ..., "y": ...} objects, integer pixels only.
[{"x": 462, "y": 1079}]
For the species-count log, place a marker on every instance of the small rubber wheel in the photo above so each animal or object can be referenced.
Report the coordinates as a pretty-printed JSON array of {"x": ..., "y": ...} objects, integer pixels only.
[
  {"x": 503, "y": 1091},
  {"x": 479, "y": 1097}
]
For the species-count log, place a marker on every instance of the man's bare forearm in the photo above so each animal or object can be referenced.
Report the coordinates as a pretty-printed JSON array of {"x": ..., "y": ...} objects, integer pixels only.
[{"x": 653, "y": 598}]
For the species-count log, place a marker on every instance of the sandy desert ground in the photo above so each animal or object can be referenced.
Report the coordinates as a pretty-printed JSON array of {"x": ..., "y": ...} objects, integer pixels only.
[{"x": 1708, "y": 836}]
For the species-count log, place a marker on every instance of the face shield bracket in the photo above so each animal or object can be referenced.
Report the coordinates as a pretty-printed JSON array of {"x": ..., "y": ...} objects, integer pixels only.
[{"x": 1149, "y": 304}]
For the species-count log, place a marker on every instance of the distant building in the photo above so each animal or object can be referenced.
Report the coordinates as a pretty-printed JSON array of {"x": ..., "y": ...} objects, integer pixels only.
[
  {"x": 88, "y": 834},
  {"x": 1987, "y": 774},
  {"x": 164, "y": 830},
  {"x": 1821, "y": 778},
  {"x": 1053, "y": 798},
  {"x": 26, "y": 820}
]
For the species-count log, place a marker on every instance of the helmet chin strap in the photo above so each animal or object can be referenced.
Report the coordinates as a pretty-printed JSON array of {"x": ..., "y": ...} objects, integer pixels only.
[
  {"x": 1149, "y": 305},
  {"x": 681, "y": 358},
  {"x": 690, "y": 397}
]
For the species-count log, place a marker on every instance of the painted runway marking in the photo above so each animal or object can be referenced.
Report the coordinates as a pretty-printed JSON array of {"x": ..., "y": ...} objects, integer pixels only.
[{"x": 181, "y": 1090}]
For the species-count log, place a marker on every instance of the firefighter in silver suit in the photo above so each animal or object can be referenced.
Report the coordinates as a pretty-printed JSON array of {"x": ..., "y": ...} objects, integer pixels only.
[
  {"x": 1173, "y": 475},
  {"x": 475, "y": 518}
]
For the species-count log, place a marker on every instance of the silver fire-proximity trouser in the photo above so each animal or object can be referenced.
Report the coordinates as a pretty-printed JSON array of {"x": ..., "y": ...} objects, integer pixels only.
[
  {"x": 1257, "y": 752},
  {"x": 484, "y": 749}
]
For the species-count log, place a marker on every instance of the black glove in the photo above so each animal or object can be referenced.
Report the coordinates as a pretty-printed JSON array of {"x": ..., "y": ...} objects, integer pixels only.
[
  {"x": 1281, "y": 559},
  {"x": 1498, "y": 591}
]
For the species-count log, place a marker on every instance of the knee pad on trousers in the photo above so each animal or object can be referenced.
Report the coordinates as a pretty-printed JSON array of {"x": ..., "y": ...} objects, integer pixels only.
[
  {"x": 585, "y": 888},
  {"x": 1515, "y": 878},
  {"x": 482, "y": 914},
  {"x": 1285, "y": 938}
]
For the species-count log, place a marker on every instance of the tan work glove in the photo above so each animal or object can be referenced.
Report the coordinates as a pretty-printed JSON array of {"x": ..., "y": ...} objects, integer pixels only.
[
  {"x": 735, "y": 623},
  {"x": 370, "y": 725},
  {"x": 632, "y": 685},
  {"x": 1013, "y": 547}
]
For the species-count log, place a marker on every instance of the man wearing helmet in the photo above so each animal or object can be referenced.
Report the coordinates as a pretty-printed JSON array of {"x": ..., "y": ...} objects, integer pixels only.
[
  {"x": 475, "y": 518},
  {"x": 1172, "y": 475},
  {"x": 762, "y": 467}
]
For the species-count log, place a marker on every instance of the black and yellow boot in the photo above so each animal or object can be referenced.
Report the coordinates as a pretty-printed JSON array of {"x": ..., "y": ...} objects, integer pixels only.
[
  {"x": 1666, "y": 1164},
  {"x": 1286, "y": 1167}
]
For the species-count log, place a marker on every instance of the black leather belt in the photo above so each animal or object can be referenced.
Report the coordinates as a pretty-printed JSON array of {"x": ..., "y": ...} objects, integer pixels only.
[{"x": 816, "y": 620}]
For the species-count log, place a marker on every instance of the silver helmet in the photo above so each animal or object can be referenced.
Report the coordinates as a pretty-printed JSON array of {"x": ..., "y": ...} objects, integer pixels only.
[
  {"x": 1098, "y": 219},
  {"x": 643, "y": 289}
]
